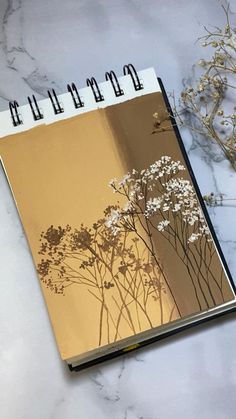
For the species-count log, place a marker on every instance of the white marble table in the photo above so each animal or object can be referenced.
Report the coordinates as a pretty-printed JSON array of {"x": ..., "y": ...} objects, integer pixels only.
[{"x": 193, "y": 375}]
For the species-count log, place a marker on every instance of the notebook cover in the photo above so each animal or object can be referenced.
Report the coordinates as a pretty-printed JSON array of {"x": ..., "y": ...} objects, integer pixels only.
[
  {"x": 147, "y": 342},
  {"x": 77, "y": 228}
]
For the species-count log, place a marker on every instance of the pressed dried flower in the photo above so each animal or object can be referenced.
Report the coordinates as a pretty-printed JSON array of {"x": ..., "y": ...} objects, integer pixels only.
[{"x": 200, "y": 112}]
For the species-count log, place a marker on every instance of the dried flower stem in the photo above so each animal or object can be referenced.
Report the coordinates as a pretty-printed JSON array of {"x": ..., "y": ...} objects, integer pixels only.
[
  {"x": 213, "y": 200},
  {"x": 201, "y": 105}
]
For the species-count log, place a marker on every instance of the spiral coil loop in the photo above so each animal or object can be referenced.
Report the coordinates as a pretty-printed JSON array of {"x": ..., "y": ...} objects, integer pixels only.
[
  {"x": 55, "y": 102},
  {"x": 112, "y": 77},
  {"x": 130, "y": 69},
  {"x": 96, "y": 91},
  {"x": 72, "y": 89},
  {"x": 37, "y": 114},
  {"x": 15, "y": 116}
]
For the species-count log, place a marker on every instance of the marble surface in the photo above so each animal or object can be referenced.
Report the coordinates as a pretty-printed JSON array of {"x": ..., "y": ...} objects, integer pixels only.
[{"x": 193, "y": 375}]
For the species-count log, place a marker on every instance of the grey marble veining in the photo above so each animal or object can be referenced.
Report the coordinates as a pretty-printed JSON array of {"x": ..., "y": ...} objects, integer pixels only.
[{"x": 193, "y": 375}]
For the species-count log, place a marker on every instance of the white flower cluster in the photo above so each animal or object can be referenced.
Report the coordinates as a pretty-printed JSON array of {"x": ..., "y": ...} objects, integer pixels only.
[
  {"x": 130, "y": 185},
  {"x": 128, "y": 207},
  {"x": 112, "y": 182},
  {"x": 133, "y": 181},
  {"x": 180, "y": 196},
  {"x": 112, "y": 221},
  {"x": 162, "y": 224},
  {"x": 193, "y": 237},
  {"x": 180, "y": 187},
  {"x": 174, "y": 194},
  {"x": 163, "y": 167},
  {"x": 152, "y": 205},
  {"x": 203, "y": 231},
  {"x": 126, "y": 179}
]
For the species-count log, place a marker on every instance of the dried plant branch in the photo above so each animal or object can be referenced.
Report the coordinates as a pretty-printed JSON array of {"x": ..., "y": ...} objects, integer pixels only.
[
  {"x": 161, "y": 202},
  {"x": 116, "y": 260},
  {"x": 203, "y": 105},
  {"x": 220, "y": 199}
]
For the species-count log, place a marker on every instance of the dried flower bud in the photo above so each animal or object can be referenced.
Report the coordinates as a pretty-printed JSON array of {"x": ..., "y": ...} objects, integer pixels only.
[{"x": 202, "y": 63}]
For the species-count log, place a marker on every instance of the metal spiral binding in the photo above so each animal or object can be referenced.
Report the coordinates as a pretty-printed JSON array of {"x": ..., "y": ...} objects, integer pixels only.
[
  {"x": 115, "y": 83},
  {"x": 55, "y": 102},
  {"x": 37, "y": 114},
  {"x": 72, "y": 89},
  {"x": 96, "y": 91},
  {"x": 130, "y": 69},
  {"x": 16, "y": 120}
]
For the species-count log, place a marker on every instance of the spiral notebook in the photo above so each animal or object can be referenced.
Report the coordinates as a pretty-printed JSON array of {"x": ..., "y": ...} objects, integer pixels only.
[{"x": 124, "y": 250}]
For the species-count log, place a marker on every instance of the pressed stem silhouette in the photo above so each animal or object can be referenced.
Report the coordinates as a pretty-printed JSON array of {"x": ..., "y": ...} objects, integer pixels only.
[
  {"x": 116, "y": 259},
  {"x": 115, "y": 270},
  {"x": 161, "y": 202}
]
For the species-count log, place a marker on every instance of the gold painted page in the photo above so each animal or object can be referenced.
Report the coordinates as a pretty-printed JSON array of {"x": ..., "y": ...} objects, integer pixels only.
[{"x": 114, "y": 225}]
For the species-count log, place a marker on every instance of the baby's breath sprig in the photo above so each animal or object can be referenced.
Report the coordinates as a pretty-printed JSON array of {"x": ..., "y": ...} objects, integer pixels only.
[
  {"x": 214, "y": 200},
  {"x": 202, "y": 106}
]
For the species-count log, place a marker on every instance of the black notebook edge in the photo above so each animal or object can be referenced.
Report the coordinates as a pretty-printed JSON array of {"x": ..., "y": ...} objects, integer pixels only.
[{"x": 181, "y": 328}]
